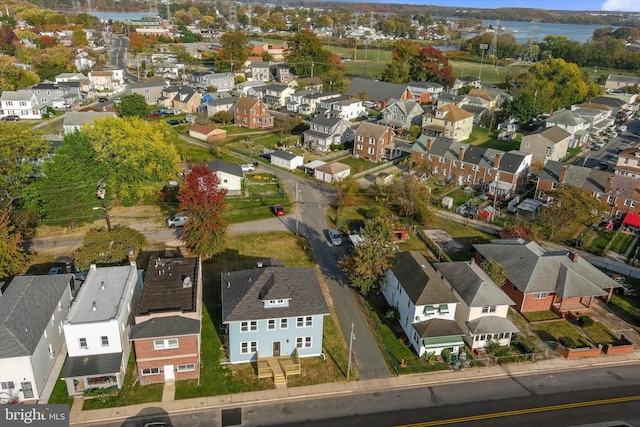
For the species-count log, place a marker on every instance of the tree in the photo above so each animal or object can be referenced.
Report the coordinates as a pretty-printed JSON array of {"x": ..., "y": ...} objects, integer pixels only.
[
  {"x": 409, "y": 62},
  {"x": 13, "y": 257},
  {"x": 399, "y": 69},
  {"x": 13, "y": 78},
  {"x": 202, "y": 200},
  {"x": 307, "y": 55},
  {"x": 78, "y": 37},
  {"x": 103, "y": 248},
  {"x": 8, "y": 41},
  {"x": 521, "y": 107},
  {"x": 495, "y": 270},
  {"x": 410, "y": 197},
  {"x": 139, "y": 156},
  {"x": 55, "y": 60},
  {"x": 223, "y": 117},
  {"x": 368, "y": 261},
  {"x": 236, "y": 47},
  {"x": 134, "y": 105},
  {"x": 570, "y": 205}
]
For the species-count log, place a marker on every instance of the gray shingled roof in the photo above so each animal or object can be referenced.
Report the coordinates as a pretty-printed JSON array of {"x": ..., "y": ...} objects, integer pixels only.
[
  {"x": 581, "y": 177},
  {"x": 224, "y": 166},
  {"x": 97, "y": 364},
  {"x": 374, "y": 89},
  {"x": 434, "y": 328},
  {"x": 512, "y": 160},
  {"x": 169, "y": 326},
  {"x": 243, "y": 293},
  {"x": 26, "y": 308},
  {"x": 473, "y": 285},
  {"x": 491, "y": 325},
  {"x": 284, "y": 155},
  {"x": 420, "y": 280},
  {"x": 531, "y": 269}
]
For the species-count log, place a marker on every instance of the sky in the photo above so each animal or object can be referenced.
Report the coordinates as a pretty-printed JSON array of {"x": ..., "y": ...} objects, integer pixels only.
[{"x": 609, "y": 5}]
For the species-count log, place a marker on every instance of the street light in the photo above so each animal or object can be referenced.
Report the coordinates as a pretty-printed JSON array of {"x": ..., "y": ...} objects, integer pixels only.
[
  {"x": 106, "y": 216},
  {"x": 351, "y": 338},
  {"x": 483, "y": 47}
]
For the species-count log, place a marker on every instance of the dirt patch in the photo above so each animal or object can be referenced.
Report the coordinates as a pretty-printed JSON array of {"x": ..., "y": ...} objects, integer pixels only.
[{"x": 443, "y": 240}]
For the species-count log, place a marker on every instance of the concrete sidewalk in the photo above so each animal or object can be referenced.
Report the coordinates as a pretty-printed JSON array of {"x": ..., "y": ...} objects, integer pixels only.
[{"x": 354, "y": 387}]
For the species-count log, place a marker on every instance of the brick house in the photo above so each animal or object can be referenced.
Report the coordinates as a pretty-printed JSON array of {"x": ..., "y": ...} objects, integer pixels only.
[
  {"x": 166, "y": 334},
  {"x": 252, "y": 113},
  {"x": 372, "y": 141},
  {"x": 538, "y": 280},
  {"x": 449, "y": 121}
]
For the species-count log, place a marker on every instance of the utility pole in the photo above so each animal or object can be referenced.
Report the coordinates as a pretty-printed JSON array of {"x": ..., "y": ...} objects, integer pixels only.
[
  {"x": 101, "y": 193},
  {"x": 483, "y": 47},
  {"x": 297, "y": 209},
  {"x": 351, "y": 338}
]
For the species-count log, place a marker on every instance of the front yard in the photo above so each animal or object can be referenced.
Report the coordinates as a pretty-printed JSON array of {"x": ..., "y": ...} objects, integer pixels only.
[{"x": 553, "y": 331}]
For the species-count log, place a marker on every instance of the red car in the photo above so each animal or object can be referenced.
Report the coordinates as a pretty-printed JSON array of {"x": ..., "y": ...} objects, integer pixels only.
[{"x": 278, "y": 210}]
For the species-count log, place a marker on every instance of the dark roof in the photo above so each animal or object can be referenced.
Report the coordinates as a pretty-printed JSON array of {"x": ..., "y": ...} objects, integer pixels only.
[
  {"x": 284, "y": 155},
  {"x": 243, "y": 293},
  {"x": 609, "y": 101},
  {"x": 420, "y": 280},
  {"x": 581, "y": 177},
  {"x": 26, "y": 308},
  {"x": 224, "y": 166},
  {"x": 472, "y": 284},
  {"x": 326, "y": 121},
  {"x": 374, "y": 89},
  {"x": 434, "y": 328},
  {"x": 97, "y": 364},
  {"x": 512, "y": 160},
  {"x": 170, "y": 284},
  {"x": 491, "y": 325},
  {"x": 222, "y": 101},
  {"x": 170, "y": 326}
]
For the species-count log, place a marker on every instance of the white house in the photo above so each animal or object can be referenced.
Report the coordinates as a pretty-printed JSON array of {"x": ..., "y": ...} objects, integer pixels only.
[
  {"x": 97, "y": 327},
  {"x": 21, "y": 103},
  {"x": 31, "y": 314},
  {"x": 74, "y": 120},
  {"x": 230, "y": 176},
  {"x": 483, "y": 309},
  {"x": 286, "y": 160},
  {"x": 347, "y": 109},
  {"x": 426, "y": 304}
]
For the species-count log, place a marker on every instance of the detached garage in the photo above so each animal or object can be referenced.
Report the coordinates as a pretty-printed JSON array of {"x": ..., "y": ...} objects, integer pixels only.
[
  {"x": 207, "y": 133},
  {"x": 332, "y": 172}
]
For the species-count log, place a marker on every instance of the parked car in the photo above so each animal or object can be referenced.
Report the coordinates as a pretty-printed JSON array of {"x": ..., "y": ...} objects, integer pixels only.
[
  {"x": 173, "y": 122},
  {"x": 334, "y": 237},
  {"x": 11, "y": 118},
  {"x": 278, "y": 210},
  {"x": 116, "y": 101},
  {"x": 154, "y": 115},
  {"x": 627, "y": 290},
  {"x": 248, "y": 167},
  {"x": 177, "y": 220},
  {"x": 55, "y": 270},
  {"x": 102, "y": 99}
]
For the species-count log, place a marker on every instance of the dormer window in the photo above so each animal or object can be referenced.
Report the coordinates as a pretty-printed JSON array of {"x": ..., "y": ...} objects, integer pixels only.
[{"x": 429, "y": 310}]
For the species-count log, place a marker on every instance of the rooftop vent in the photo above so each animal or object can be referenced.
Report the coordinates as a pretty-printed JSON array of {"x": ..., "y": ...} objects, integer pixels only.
[
  {"x": 101, "y": 285},
  {"x": 94, "y": 306},
  {"x": 186, "y": 282}
]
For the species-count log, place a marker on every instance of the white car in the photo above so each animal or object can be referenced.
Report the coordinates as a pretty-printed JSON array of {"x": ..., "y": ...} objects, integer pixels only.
[
  {"x": 334, "y": 237},
  {"x": 178, "y": 220},
  {"x": 248, "y": 167}
]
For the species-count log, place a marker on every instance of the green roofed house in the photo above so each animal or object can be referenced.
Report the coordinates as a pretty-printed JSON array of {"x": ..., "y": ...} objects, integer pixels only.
[{"x": 425, "y": 302}]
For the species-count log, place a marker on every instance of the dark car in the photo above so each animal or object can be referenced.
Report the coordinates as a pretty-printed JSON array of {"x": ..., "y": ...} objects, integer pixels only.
[
  {"x": 627, "y": 290},
  {"x": 173, "y": 122},
  {"x": 278, "y": 210},
  {"x": 11, "y": 118}
]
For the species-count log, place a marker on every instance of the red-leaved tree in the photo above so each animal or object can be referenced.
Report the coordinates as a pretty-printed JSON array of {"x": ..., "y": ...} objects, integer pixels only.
[{"x": 202, "y": 200}]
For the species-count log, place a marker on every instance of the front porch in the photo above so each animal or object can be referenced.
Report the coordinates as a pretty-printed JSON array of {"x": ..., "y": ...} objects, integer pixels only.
[
  {"x": 279, "y": 367},
  {"x": 568, "y": 306}
]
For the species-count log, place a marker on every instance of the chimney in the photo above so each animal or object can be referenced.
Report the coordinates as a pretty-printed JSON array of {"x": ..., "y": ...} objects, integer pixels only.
[
  {"x": 429, "y": 144},
  {"x": 609, "y": 184},
  {"x": 563, "y": 173},
  {"x": 496, "y": 161},
  {"x": 461, "y": 153},
  {"x": 573, "y": 256}
]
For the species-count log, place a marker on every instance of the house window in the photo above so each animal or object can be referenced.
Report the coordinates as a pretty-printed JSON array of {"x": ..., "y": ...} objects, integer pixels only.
[
  {"x": 244, "y": 326},
  {"x": 371, "y": 150},
  {"x": 83, "y": 343},
  {"x": 540, "y": 295},
  {"x": 514, "y": 289},
  {"x": 164, "y": 344},
  {"x": 271, "y": 324},
  {"x": 7, "y": 385},
  {"x": 489, "y": 309},
  {"x": 554, "y": 185},
  {"x": 105, "y": 341},
  {"x": 443, "y": 308},
  {"x": 429, "y": 310},
  {"x": 186, "y": 368},
  {"x": 303, "y": 342},
  {"x": 304, "y": 322},
  {"x": 150, "y": 371},
  {"x": 284, "y": 323},
  {"x": 247, "y": 347}
]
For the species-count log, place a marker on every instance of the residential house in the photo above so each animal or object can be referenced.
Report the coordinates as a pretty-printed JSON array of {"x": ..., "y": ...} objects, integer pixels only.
[
  {"x": 207, "y": 133},
  {"x": 628, "y": 163},
  {"x": 276, "y": 95},
  {"x": 450, "y": 122},
  {"x": 537, "y": 280},
  {"x": 452, "y": 99},
  {"x": 617, "y": 81},
  {"x": 221, "y": 81},
  {"x": 479, "y": 113},
  {"x": 252, "y": 113},
  {"x": 51, "y": 95},
  {"x": 345, "y": 108},
  {"x": 466, "y": 81},
  {"x": 96, "y": 329},
  {"x": 598, "y": 115},
  {"x": 83, "y": 61},
  {"x": 309, "y": 83},
  {"x": 282, "y": 73},
  {"x": 424, "y": 92},
  {"x": 107, "y": 80},
  {"x": 166, "y": 333},
  {"x": 32, "y": 310},
  {"x": 272, "y": 311},
  {"x": 482, "y": 98},
  {"x": 376, "y": 94},
  {"x": 21, "y": 103},
  {"x": 425, "y": 303},
  {"x": 260, "y": 71},
  {"x": 297, "y": 99},
  {"x": 483, "y": 308},
  {"x": 332, "y": 172},
  {"x": 74, "y": 120},
  {"x": 286, "y": 160},
  {"x": 211, "y": 106},
  {"x": 186, "y": 100},
  {"x": 401, "y": 114},
  {"x": 372, "y": 141},
  {"x": 546, "y": 144},
  {"x": 494, "y": 171},
  {"x": 326, "y": 131},
  {"x": 252, "y": 89},
  {"x": 620, "y": 105},
  {"x": 151, "y": 90},
  {"x": 230, "y": 176},
  {"x": 80, "y": 78},
  {"x": 573, "y": 123}
]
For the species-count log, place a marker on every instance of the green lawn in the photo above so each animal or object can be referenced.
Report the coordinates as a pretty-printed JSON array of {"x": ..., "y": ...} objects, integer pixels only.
[
  {"x": 552, "y": 331},
  {"x": 627, "y": 308},
  {"x": 599, "y": 333},
  {"x": 536, "y": 316},
  {"x": 621, "y": 242},
  {"x": 357, "y": 165},
  {"x": 466, "y": 236},
  {"x": 482, "y": 136},
  {"x": 264, "y": 192}
]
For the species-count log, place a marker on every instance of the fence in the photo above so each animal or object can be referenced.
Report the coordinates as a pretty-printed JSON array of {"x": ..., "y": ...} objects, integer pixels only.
[
  {"x": 335, "y": 154},
  {"x": 380, "y": 166}
]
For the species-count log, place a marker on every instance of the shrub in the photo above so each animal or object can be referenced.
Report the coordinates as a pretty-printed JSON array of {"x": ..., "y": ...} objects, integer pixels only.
[
  {"x": 446, "y": 355},
  {"x": 567, "y": 342},
  {"x": 372, "y": 213},
  {"x": 392, "y": 314},
  {"x": 522, "y": 345},
  {"x": 585, "y": 321}
]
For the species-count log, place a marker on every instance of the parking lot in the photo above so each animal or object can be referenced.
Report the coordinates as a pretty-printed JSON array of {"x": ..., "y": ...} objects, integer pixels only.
[{"x": 606, "y": 157}]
